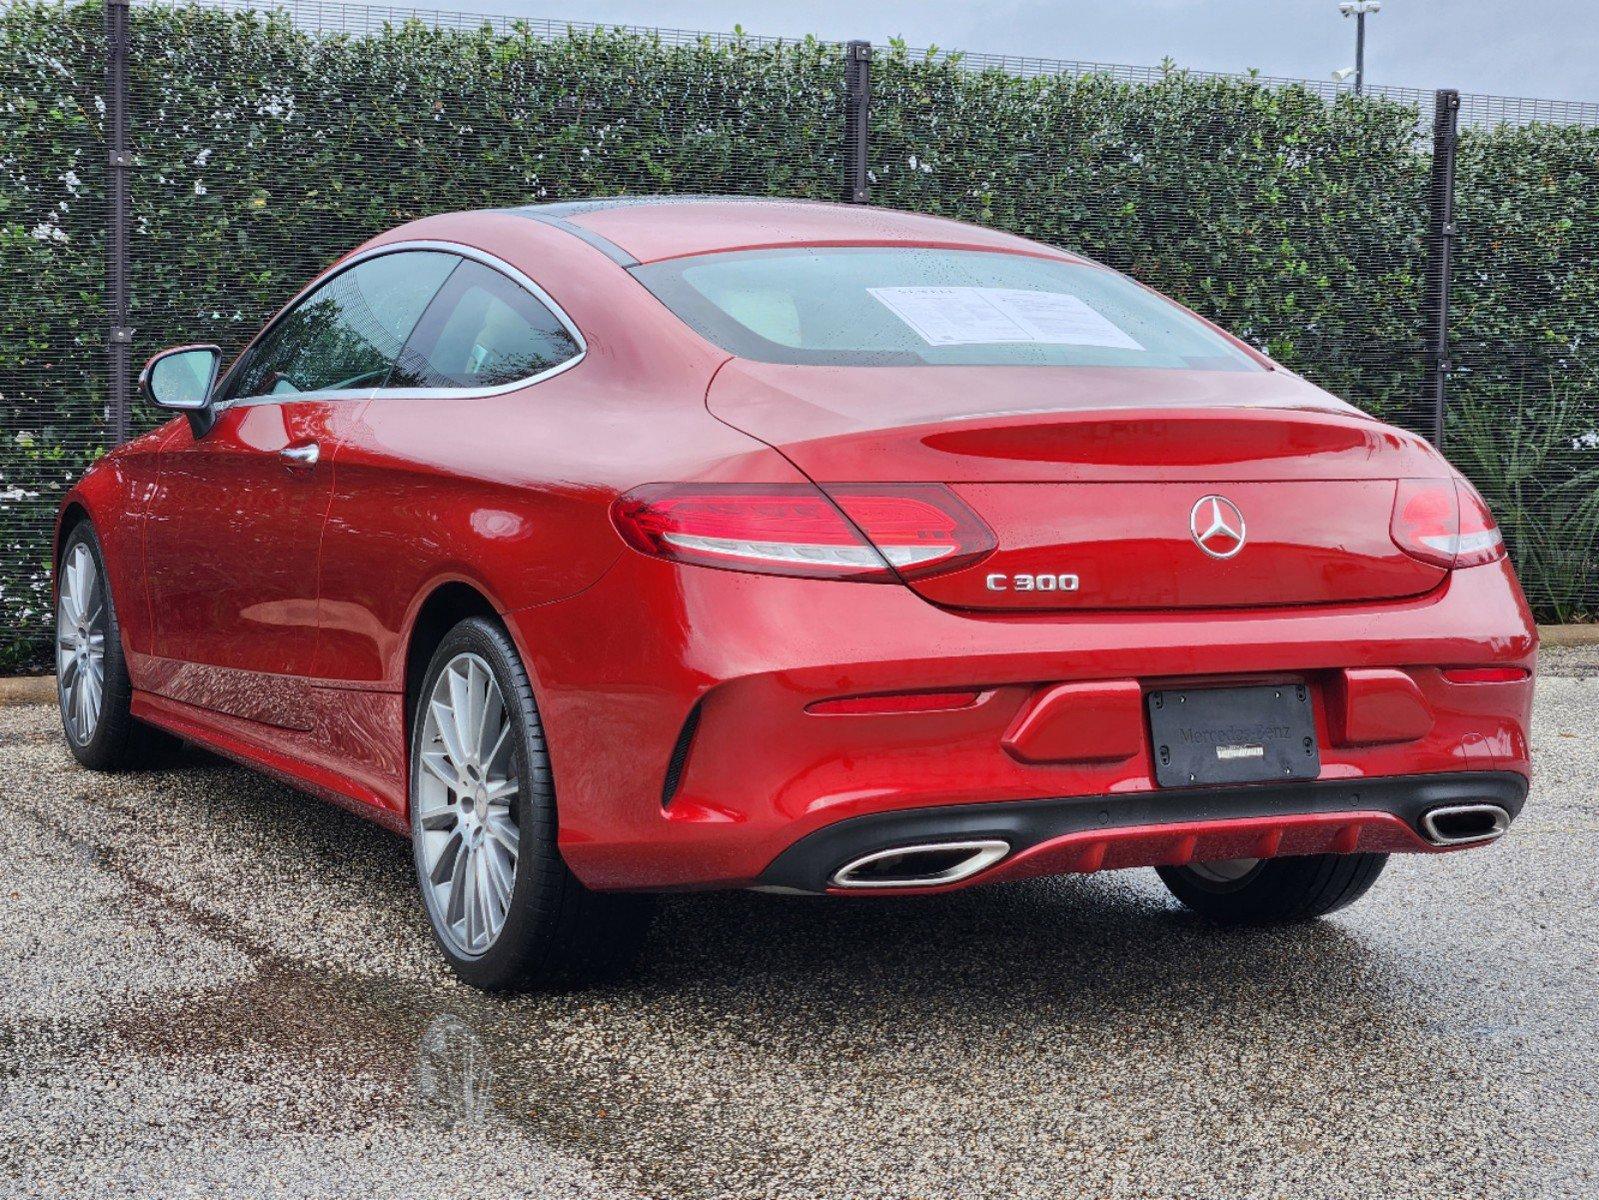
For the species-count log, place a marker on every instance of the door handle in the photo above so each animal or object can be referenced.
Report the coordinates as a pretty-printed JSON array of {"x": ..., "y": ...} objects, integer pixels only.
[{"x": 300, "y": 456}]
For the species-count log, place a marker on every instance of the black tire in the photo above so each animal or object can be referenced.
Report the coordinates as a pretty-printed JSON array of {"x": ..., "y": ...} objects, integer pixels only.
[
  {"x": 1278, "y": 891},
  {"x": 116, "y": 741},
  {"x": 556, "y": 932}
]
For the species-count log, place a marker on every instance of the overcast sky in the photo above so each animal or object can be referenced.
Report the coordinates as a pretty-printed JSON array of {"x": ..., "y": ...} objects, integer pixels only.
[{"x": 1531, "y": 48}]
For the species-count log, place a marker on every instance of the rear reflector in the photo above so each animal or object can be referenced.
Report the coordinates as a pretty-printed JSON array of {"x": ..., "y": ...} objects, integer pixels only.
[
  {"x": 1484, "y": 674},
  {"x": 901, "y": 702},
  {"x": 1445, "y": 523},
  {"x": 890, "y": 531}
]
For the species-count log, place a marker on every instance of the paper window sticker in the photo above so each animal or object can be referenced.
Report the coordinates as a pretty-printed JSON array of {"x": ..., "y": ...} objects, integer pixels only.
[
  {"x": 950, "y": 316},
  {"x": 1060, "y": 319},
  {"x": 955, "y": 316}
]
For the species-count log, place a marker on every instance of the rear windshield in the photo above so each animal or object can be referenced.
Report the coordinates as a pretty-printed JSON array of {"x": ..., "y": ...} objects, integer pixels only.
[{"x": 911, "y": 307}]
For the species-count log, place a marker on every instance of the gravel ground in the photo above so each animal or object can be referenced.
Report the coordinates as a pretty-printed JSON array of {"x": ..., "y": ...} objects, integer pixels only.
[
  {"x": 214, "y": 986},
  {"x": 1581, "y": 661}
]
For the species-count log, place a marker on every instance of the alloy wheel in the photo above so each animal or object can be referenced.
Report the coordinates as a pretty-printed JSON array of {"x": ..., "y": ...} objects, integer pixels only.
[
  {"x": 80, "y": 643},
  {"x": 465, "y": 792}
]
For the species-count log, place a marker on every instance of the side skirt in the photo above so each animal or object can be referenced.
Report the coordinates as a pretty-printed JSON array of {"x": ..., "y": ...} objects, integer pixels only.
[{"x": 300, "y": 759}]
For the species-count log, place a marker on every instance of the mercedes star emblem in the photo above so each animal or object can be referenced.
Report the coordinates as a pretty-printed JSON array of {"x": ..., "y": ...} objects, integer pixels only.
[{"x": 1217, "y": 526}]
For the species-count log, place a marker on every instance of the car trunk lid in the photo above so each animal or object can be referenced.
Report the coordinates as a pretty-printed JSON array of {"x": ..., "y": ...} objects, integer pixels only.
[{"x": 1112, "y": 489}]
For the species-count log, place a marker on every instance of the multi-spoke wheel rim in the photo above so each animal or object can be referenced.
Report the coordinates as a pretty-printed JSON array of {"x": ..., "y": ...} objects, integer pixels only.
[
  {"x": 80, "y": 643},
  {"x": 464, "y": 792}
]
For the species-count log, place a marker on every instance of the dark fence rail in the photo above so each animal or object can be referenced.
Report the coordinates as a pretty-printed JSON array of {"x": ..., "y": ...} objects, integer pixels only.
[{"x": 1360, "y": 241}]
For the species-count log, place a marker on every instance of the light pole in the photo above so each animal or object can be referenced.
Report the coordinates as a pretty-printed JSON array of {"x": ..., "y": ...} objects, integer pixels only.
[{"x": 1358, "y": 9}]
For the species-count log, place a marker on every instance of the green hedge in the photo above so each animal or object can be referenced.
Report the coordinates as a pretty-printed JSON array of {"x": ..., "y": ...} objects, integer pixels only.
[
  {"x": 265, "y": 150},
  {"x": 1524, "y": 414},
  {"x": 52, "y": 305}
]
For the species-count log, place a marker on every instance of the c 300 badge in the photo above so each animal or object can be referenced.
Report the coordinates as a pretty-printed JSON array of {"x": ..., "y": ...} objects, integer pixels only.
[{"x": 1032, "y": 583}]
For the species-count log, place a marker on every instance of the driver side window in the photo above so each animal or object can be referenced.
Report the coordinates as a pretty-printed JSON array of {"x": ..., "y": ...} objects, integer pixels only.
[{"x": 346, "y": 333}]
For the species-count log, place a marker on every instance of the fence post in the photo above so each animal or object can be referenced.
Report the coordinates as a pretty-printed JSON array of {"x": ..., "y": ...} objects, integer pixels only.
[
  {"x": 1441, "y": 234},
  {"x": 857, "y": 119},
  {"x": 119, "y": 163}
]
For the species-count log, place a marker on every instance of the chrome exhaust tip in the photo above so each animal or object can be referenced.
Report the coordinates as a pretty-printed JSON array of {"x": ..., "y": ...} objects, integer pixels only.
[
  {"x": 926, "y": 865},
  {"x": 1457, "y": 824}
]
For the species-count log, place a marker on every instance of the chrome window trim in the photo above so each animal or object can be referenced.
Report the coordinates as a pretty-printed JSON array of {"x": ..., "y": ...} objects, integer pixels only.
[
  {"x": 459, "y": 250},
  {"x": 296, "y": 397}
]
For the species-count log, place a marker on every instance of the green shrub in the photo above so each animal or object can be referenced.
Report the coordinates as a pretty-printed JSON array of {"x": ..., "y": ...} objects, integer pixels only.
[
  {"x": 36, "y": 470},
  {"x": 1530, "y": 446}
]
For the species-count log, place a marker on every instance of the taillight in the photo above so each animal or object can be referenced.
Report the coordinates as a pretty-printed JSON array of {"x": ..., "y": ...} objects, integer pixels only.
[
  {"x": 1445, "y": 523},
  {"x": 1480, "y": 539},
  {"x": 922, "y": 529},
  {"x": 891, "y": 531}
]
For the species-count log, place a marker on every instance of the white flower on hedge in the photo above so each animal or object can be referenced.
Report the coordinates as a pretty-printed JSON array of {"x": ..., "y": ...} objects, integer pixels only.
[
  {"x": 48, "y": 231},
  {"x": 203, "y": 157},
  {"x": 199, "y": 188},
  {"x": 74, "y": 184}
]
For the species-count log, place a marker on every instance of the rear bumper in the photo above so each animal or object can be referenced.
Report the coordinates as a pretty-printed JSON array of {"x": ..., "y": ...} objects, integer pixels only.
[
  {"x": 1093, "y": 833},
  {"x": 623, "y": 668}
]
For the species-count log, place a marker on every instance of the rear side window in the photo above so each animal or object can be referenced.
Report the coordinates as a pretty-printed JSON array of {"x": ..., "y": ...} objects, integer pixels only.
[
  {"x": 907, "y": 306},
  {"x": 482, "y": 330},
  {"x": 347, "y": 332}
]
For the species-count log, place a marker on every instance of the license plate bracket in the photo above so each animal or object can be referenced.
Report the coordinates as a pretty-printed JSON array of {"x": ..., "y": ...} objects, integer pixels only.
[{"x": 1207, "y": 736}]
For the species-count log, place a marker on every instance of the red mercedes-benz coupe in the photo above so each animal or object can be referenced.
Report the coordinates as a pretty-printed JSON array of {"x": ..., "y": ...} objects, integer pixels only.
[{"x": 625, "y": 546}]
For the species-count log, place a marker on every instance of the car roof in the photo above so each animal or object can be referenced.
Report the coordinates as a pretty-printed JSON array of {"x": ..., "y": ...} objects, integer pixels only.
[{"x": 643, "y": 229}]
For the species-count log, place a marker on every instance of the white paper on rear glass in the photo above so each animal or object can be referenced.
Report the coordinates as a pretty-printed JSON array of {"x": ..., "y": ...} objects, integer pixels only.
[{"x": 957, "y": 316}]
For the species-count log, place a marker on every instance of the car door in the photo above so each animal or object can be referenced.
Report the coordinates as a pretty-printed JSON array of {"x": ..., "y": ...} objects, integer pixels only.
[
  {"x": 234, "y": 529},
  {"x": 455, "y": 464}
]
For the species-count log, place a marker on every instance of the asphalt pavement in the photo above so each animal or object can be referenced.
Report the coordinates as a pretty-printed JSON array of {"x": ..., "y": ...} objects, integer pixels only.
[{"x": 211, "y": 985}]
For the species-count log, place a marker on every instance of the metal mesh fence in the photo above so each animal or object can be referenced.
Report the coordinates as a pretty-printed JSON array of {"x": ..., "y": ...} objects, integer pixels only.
[
  {"x": 271, "y": 139},
  {"x": 1478, "y": 110},
  {"x": 1524, "y": 397},
  {"x": 52, "y": 295}
]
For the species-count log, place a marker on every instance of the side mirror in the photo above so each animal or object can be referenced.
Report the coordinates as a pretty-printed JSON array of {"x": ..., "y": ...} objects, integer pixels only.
[{"x": 182, "y": 378}]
